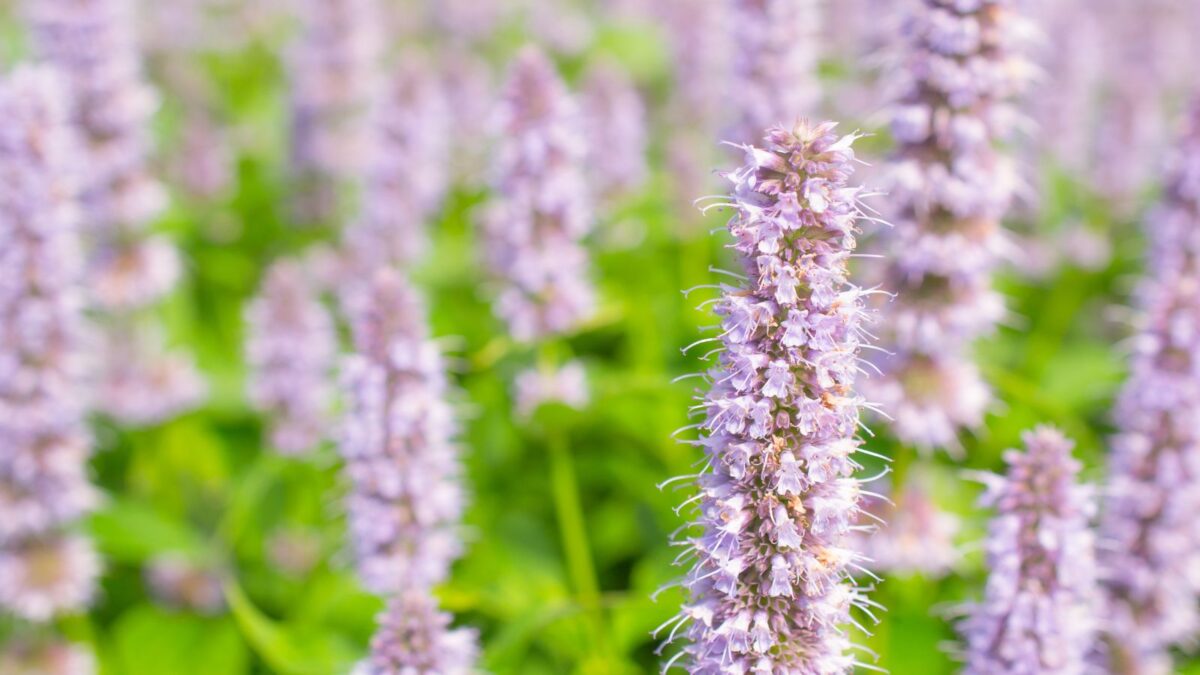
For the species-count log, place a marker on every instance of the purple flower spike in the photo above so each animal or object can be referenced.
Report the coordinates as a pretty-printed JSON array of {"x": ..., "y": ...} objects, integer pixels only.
[
  {"x": 1150, "y": 541},
  {"x": 415, "y": 638},
  {"x": 92, "y": 43},
  {"x": 615, "y": 122},
  {"x": 407, "y": 170},
  {"x": 1039, "y": 609},
  {"x": 769, "y": 590},
  {"x": 542, "y": 211},
  {"x": 399, "y": 444},
  {"x": 406, "y": 499},
  {"x": 950, "y": 188},
  {"x": 291, "y": 351},
  {"x": 333, "y": 70},
  {"x": 775, "y": 63},
  {"x": 44, "y": 442}
]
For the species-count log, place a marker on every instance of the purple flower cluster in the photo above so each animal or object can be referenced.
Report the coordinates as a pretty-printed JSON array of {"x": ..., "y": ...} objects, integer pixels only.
[
  {"x": 415, "y": 637},
  {"x": 291, "y": 351},
  {"x": 406, "y": 499},
  {"x": 93, "y": 44},
  {"x": 1149, "y": 534},
  {"x": 398, "y": 443},
  {"x": 698, "y": 37},
  {"x": 615, "y": 123},
  {"x": 333, "y": 71},
  {"x": 142, "y": 381},
  {"x": 542, "y": 210},
  {"x": 769, "y": 589},
  {"x": 917, "y": 536},
  {"x": 1038, "y": 613},
  {"x": 566, "y": 385},
  {"x": 775, "y": 63},
  {"x": 45, "y": 657},
  {"x": 949, "y": 189},
  {"x": 408, "y": 168},
  {"x": 44, "y": 444}
]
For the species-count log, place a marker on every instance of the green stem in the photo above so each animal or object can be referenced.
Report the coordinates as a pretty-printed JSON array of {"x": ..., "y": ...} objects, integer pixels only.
[{"x": 573, "y": 529}]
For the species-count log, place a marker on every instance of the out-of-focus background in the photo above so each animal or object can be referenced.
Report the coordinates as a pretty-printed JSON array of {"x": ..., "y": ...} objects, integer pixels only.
[{"x": 221, "y": 556}]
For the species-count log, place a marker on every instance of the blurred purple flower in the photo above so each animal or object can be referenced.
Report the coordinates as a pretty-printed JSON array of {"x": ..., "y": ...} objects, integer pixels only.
[
  {"x": 615, "y": 123},
  {"x": 142, "y": 382},
  {"x": 1039, "y": 610},
  {"x": 949, "y": 189},
  {"x": 770, "y": 590},
  {"x": 542, "y": 210},
  {"x": 468, "y": 85},
  {"x": 94, "y": 45},
  {"x": 408, "y": 166},
  {"x": 566, "y": 385},
  {"x": 41, "y": 656},
  {"x": 399, "y": 444},
  {"x": 334, "y": 69},
  {"x": 1150, "y": 550},
  {"x": 415, "y": 637},
  {"x": 183, "y": 584},
  {"x": 291, "y": 349},
  {"x": 406, "y": 497},
  {"x": 699, "y": 39},
  {"x": 775, "y": 63},
  {"x": 917, "y": 536},
  {"x": 44, "y": 440}
]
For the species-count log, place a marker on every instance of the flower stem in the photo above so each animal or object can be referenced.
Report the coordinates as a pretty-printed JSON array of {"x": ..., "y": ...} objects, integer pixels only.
[{"x": 572, "y": 528}]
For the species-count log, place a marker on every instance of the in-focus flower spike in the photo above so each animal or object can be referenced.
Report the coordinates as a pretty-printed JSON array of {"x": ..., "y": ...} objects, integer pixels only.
[
  {"x": 291, "y": 350},
  {"x": 615, "y": 124},
  {"x": 415, "y": 637},
  {"x": 917, "y": 536},
  {"x": 399, "y": 443},
  {"x": 44, "y": 443},
  {"x": 94, "y": 45},
  {"x": 542, "y": 210},
  {"x": 949, "y": 189},
  {"x": 775, "y": 63},
  {"x": 333, "y": 71},
  {"x": 408, "y": 164},
  {"x": 1039, "y": 609},
  {"x": 406, "y": 498},
  {"x": 769, "y": 590},
  {"x": 1150, "y": 543}
]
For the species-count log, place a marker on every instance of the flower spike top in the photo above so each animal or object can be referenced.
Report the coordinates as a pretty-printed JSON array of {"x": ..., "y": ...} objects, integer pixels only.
[
  {"x": 769, "y": 589},
  {"x": 44, "y": 442},
  {"x": 775, "y": 62},
  {"x": 949, "y": 189},
  {"x": 1150, "y": 545},
  {"x": 291, "y": 351},
  {"x": 542, "y": 210},
  {"x": 1039, "y": 608}
]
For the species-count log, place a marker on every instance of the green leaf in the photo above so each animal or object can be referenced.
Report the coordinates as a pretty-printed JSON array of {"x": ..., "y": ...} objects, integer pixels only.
[
  {"x": 133, "y": 532},
  {"x": 147, "y": 640},
  {"x": 290, "y": 650}
]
